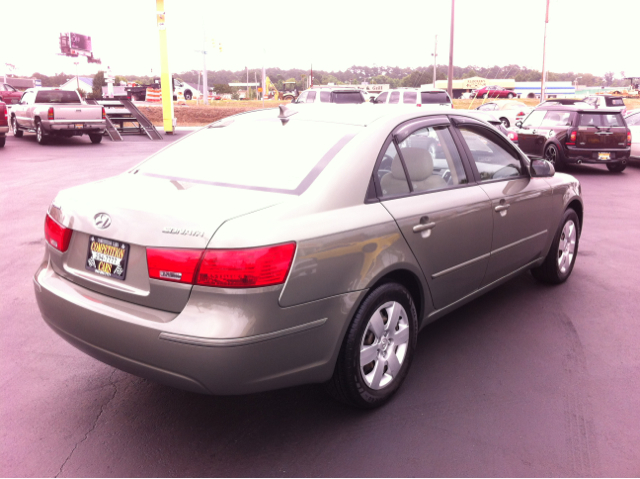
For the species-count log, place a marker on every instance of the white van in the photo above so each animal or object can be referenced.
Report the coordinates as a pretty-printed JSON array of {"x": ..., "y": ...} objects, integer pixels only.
[{"x": 427, "y": 98}]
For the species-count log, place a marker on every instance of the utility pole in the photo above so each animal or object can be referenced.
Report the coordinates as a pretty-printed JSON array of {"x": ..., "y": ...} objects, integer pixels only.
[
  {"x": 450, "y": 72},
  {"x": 165, "y": 73},
  {"x": 434, "y": 55},
  {"x": 77, "y": 79},
  {"x": 544, "y": 53},
  {"x": 205, "y": 87}
]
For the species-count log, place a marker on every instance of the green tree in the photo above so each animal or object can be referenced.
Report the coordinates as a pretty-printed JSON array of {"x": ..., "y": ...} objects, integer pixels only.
[{"x": 98, "y": 83}]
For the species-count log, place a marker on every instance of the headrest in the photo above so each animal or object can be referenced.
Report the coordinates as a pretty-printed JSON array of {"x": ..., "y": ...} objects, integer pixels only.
[{"x": 419, "y": 163}]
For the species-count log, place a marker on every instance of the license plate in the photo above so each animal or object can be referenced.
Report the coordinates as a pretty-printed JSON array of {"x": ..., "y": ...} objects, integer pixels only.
[
  {"x": 79, "y": 125},
  {"x": 604, "y": 156},
  {"x": 107, "y": 257}
]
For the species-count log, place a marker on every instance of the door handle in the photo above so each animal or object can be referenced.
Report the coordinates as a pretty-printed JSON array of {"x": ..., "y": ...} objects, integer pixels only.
[
  {"x": 423, "y": 227},
  {"x": 502, "y": 208}
]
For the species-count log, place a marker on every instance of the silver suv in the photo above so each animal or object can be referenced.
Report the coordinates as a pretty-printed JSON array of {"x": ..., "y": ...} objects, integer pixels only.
[
  {"x": 606, "y": 101},
  {"x": 426, "y": 97}
]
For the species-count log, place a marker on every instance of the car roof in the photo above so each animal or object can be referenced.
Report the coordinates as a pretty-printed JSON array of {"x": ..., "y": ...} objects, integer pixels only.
[{"x": 584, "y": 107}]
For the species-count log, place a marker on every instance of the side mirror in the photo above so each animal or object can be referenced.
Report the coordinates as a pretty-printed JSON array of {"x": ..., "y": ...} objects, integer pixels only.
[
  {"x": 542, "y": 169},
  {"x": 519, "y": 124}
]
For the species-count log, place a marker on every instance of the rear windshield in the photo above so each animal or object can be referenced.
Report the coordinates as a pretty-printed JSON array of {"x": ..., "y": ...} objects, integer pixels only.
[
  {"x": 347, "y": 97},
  {"x": 259, "y": 155},
  {"x": 429, "y": 97},
  {"x": 615, "y": 102},
  {"x": 57, "y": 96},
  {"x": 601, "y": 119}
]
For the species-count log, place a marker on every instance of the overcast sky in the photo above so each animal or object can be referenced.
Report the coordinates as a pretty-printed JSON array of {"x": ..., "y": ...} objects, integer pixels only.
[{"x": 582, "y": 35}]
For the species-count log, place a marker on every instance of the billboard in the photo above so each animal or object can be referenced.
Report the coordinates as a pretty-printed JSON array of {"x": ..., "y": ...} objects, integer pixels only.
[{"x": 79, "y": 42}]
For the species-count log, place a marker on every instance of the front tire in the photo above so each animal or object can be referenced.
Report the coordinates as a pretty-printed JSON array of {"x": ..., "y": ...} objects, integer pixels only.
[
  {"x": 188, "y": 95},
  {"x": 510, "y": 96},
  {"x": 505, "y": 122},
  {"x": 95, "y": 138},
  {"x": 486, "y": 95},
  {"x": 14, "y": 127},
  {"x": 377, "y": 349},
  {"x": 616, "y": 167},
  {"x": 558, "y": 264},
  {"x": 41, "y": 137}
]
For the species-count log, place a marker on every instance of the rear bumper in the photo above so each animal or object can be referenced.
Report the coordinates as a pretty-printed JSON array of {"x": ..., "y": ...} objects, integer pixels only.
[
  {"x": 171, "y": 348},
  {"x": 580, "y": 155},
  {"x": 4, "y": 129},
  {"x": 78, "y": 127}
]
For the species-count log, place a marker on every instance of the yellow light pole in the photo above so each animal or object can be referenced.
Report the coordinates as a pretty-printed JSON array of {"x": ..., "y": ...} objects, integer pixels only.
[{"x": 165, "y": 74}]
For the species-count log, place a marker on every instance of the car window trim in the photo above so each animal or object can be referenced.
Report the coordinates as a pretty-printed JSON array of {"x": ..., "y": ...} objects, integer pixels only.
[{"x": 471, "y": 161}]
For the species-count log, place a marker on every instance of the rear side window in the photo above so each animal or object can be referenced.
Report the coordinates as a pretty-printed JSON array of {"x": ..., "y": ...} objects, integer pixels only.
[
  {"x": 615, "y": 102},
  {"x": 430, "y": 97},
  {"x": 348, "y": 97},
  {"x": 557, "y": 118},
  {"x": 601, "y": 119},
  {"x": 325, "y": 96},
  {"x": 395, "y": 97},
  {"x": 57, "y": 96},
  {"x": 409, "y": 97}
]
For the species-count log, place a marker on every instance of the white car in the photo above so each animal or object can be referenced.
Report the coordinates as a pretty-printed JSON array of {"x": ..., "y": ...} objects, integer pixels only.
[
  {"x": 633, "y": 122},
  {"x": 508, "y": 111},
  {"x": 428, "y": 98}
]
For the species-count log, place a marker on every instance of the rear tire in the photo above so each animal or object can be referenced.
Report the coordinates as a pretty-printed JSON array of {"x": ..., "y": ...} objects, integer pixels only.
[
  {"x": 14, "y": 127},
  {"x": 41, "y": 137},
  {"x": 510, "y": 95},
  {"x": 552, "y": 155},
  {"x": 558, "y": 264},
  {"x": 616, "y": 167},
  {"x": 95, "y": 138},
  {"x": 486, "y": 95},
  {"x": 505, "y": 122},
  {"x": 377, "y": 350},
  {"x": 188, "y": 95}
]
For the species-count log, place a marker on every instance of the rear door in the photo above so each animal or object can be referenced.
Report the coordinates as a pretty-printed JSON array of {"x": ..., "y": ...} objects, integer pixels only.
[{"x": 445, "y": 218}]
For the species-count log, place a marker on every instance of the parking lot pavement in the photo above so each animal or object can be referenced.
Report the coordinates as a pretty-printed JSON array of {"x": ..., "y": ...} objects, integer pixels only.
[{"x": 528, "y": 380}]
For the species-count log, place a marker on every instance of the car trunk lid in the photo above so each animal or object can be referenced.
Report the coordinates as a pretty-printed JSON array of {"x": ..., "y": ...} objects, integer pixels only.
[
  {"x": 601, "y": 131},
  {"x": 116, "y": 220}
]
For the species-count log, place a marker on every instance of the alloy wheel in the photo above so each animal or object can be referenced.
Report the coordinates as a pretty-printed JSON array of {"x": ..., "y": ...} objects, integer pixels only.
[
  {"x": 384, "y": 345},
  {"x": 567, "y": 246}
]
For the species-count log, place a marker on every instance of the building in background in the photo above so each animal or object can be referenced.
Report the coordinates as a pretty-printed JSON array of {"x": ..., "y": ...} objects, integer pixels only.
[
  {"x": 467, "y": 85},
  {"x": 553, "y": 89},
  {"x": 84, "y": 83}
]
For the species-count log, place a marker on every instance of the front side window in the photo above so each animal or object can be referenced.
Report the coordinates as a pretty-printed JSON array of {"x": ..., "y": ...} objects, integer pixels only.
[
  {"x": 487, "y": 107},
  {"x": 633, "y": 120},
  {"x": 492, "y": 159},
  {"x": 303, "y": 97},
  {"x": 534, "y": 119},
  {"x": 395, "y": 97},
  {"x": 311, "y": 97},
  {"x": 381, "y": 98}
]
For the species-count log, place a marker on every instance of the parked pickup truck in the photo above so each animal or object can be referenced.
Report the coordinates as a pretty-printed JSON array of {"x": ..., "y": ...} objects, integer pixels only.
[
  {"x": 51, "y": 112},
  {"x": 4, "y": 124},
  {"x": 139, "y": 92}
]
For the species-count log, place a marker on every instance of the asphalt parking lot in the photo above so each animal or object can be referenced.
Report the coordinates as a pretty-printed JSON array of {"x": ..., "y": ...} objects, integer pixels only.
[{"x": 528, "y": 380}]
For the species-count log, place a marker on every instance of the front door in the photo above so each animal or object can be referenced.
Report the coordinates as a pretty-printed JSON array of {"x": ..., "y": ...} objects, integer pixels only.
[
  {"x": 520, "y": 205},
  {"x": 528, "y": 138}
]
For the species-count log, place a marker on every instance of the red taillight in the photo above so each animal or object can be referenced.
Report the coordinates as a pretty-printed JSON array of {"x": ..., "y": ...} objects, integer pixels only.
[
  {"x": 419, "y": 104},
  {"x": 178, "y": 265},
  {"x": 104, "y": 114},
  {"x": 232, "y": 268},
  {"x": 513, "y": 136},
  {"x": 50, "y": 113},
  {"x": 57, "y": 235},
  {"x": 246, "y": 268},
  {"x": 571, "y": 141},
  {"x": 520, "y": 114},
  {"x": 628, "y": 137}
]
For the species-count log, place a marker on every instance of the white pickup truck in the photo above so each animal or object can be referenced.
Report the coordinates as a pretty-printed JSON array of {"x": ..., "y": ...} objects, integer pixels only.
[{"x": 51, "y": 112}]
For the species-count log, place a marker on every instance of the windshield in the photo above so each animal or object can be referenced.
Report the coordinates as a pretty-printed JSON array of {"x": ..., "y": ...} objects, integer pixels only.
[
  {"x": 347, "y": 97},
  {"x": 57, "y": 96},
  {"x": 261, "y": 155},
  {"x": 430, "y": 97}
]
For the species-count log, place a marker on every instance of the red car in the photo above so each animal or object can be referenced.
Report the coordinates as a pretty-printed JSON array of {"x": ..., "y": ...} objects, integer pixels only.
[
  {"x": 494, "y": 91},
  {"x": 8, "y": 94},
  {"x": 4, "y": 124}
]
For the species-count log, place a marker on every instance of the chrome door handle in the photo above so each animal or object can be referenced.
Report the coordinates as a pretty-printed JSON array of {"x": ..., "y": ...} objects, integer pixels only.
[
  {"x": 502, "y": 208},
  {"x": 422, "y": 227}
]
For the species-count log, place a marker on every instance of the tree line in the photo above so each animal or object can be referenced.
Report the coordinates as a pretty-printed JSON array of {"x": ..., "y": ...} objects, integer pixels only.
[{"x": 394, "y": 76}]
